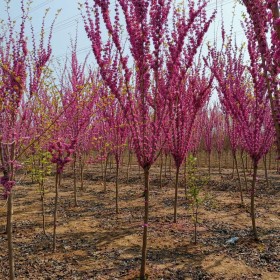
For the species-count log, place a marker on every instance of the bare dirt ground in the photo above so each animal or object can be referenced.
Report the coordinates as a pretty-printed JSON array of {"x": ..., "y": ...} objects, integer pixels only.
[{"x": 95, "y": 243}]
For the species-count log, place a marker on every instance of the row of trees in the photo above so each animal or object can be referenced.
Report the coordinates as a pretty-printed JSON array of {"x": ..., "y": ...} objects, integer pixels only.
[{"x": 150, "y": 94}]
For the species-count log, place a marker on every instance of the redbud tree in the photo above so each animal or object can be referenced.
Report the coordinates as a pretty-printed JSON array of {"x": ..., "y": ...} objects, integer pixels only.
[
  {"x": 243, "y": 94},
  {"x": 14, "y": 66},
  {"x": 264, "y": 21},
  {"x": 137, "y": 72}
]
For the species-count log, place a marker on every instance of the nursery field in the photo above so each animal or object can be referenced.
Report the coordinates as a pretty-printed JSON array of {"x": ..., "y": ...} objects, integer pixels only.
[
  {"x": 142, "y": 144},
  {"x": 95, "y": 243}
]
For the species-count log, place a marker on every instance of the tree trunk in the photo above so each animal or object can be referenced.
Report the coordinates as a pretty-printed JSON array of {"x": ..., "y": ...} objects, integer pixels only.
[
  {"x": 233, "y": 166},
  {"x": 117, "y": 187},
  {"x": 110, "y": 165},
  {"x": 209, "y": 164},
  {"x": 269, "y": 160},
  {"x": 32, "y": 168},
  {"x": 9, "y": 227},
  {"x": 57, "y": 185},
  {"x": 160, "y": 169},
  {"x": 239, "y": 180},
  {"x": 102, "y": 169},
  {"x": 10, "y": 236},
  {"x": 145, "y": 226},
  {"x": 81, "y": 173},
  {"x": 185, "y": 176},
  {"x": 43, "y": 206},
  {"x": 176, "y": 194},
  {"x": 265, "y": 171},
  {"x": 244, "y": 172},
  {"x": 170, "y": 166},
  {"x": 195, "y": 223},
  {"x": 75, "y": 180},
  {"x": 253, "y": 215},
  {"x": 105, "y": 174}
]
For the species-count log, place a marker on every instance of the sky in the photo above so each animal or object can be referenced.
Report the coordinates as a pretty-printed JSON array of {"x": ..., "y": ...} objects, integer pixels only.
[{"x": 69, "y": 18}]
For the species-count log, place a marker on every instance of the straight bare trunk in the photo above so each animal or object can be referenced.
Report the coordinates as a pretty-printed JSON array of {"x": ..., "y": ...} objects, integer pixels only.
[
  {"x": 57, "y": 185},
  {"x": 10, "y": 236},
  {"x": 75, "y": 180},
  {"x": 176, "y": 194},
  {"x": 265, "y": 171},
  {"x": 244, "y": 172},
  {"x": 117, "y": 187},
  {"x": 238, "y": 176},
  {"x": 145, "y": 226},
  {"x": 160, "y": 170},
  {"x": 253, "y": 215}
]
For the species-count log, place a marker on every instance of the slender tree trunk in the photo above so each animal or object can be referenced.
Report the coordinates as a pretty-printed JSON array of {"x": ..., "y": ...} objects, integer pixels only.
[
  {"x": 33, "y": 168},
  {"x": 269, "y": 159},
  {"x": 244, "y": 172},
  {"x": 238, "y": 176},
  {"x": 102, "y": 169},
  {"x": 170, "y": 166},
  {"x": 209, "y": 164},
  {"x": 57, "y": 185},
  {"x": 10, "y": 236},
  {"x": 253, "y": 215},
  {"x": 128, "y": 166},
  {"x": 117, "y": 187},
  {"x": 185, "y": 175},
  {"x": 195, "y": 223},
  {"x": 233, "y": 166},
  {"x": 43, "y": 206},
  {"x": 251, "y": 167},
  {"x": 110, "y": 165},
  {"x": 105, "y": 174},
  {"x": 9, "y": 227},
  {"x": 176, "y": 194},
  {"x": 160, "y": 169},
  {"x": 265, "y": 171},
  {"x": 145, "y": 225},
  {"x": 75, "y": 179},
  {"x": 81, "y": 173}
]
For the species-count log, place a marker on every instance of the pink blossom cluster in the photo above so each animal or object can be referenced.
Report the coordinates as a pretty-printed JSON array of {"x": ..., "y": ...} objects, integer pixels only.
[
  {"x": 61, "y": 153},
  {"x": 7, "y": 184}
]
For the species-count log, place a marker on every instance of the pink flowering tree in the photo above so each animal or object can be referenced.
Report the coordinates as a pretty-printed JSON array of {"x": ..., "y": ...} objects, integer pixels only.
[
  {"x": 117, "y": 136},
  {"x": 243, "y": 93},
  {"x": 190, "y": 97},
  {"x": 264, "y": 23},
  {"x": 13, "y": 87},
  {"x": 145, "y": 91},
  {"x": 77, "y": 104},
  {"x": 60, "y": 152}
]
